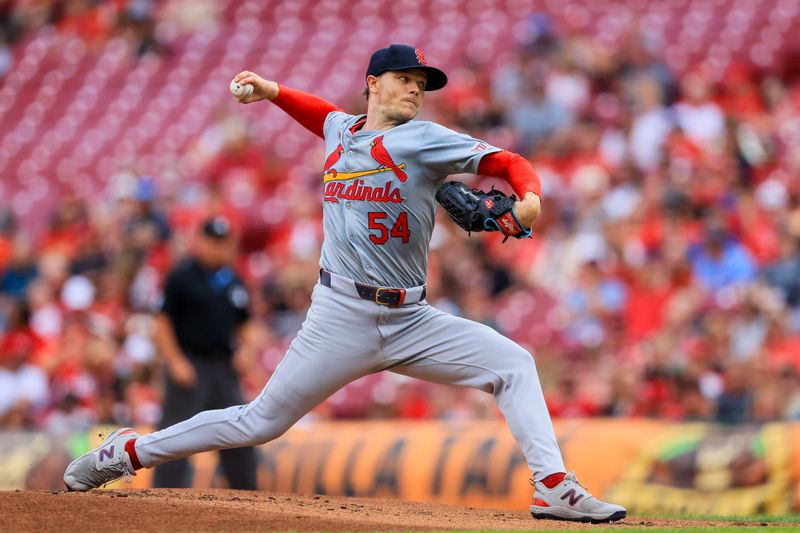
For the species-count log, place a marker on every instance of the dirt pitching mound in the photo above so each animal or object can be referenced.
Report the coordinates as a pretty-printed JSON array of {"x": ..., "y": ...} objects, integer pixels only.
[{"x": 175, "y": 510}]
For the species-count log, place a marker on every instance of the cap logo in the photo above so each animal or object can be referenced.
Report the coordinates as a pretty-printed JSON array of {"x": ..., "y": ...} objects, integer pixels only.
[{"x": 420, "y": 56}]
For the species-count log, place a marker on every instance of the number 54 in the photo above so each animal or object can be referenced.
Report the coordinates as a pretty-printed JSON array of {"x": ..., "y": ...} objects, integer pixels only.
[{"x": 399, "y": 228}]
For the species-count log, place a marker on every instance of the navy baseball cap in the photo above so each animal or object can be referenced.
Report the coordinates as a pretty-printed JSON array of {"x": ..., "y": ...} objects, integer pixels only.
[{"x": 402, "y": 57}]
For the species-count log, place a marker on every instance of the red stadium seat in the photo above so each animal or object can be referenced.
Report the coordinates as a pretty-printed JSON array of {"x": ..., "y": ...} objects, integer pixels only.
[{"x": 101, "y": 101}]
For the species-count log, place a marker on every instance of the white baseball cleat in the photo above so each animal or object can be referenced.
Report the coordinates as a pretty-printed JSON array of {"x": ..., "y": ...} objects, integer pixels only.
[
  {"x": 106, "y": 463},
  {"x": 569, "y": 500}
]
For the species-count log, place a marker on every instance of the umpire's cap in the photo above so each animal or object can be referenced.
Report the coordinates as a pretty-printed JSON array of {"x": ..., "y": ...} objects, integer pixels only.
[
  {"x": 402, "y": 57},
  {"x": 217, "y": 227}
]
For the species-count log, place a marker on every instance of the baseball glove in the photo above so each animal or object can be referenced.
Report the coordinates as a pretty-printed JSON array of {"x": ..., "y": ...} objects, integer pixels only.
[{"x": 476, "y": 210}]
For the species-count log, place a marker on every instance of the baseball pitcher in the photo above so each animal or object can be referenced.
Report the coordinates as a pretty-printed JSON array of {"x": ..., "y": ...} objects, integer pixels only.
[{"x": 380, "y": 182}]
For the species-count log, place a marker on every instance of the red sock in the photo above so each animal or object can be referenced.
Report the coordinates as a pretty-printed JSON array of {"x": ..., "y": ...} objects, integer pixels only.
[
  {"x": 131, "y": 449},
  {"x": 553, "y": 479}
]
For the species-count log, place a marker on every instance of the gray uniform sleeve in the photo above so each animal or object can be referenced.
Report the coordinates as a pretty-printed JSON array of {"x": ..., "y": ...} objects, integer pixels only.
[
  {"x": 333, "y": 122},
  {"x": 444, "y": 151}
]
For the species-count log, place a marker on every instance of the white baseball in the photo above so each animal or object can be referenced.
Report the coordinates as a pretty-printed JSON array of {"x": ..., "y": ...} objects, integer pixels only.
[{"x": 241, "y": 91}]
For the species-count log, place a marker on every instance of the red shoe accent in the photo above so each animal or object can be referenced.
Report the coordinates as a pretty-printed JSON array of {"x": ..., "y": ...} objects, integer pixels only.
[
  {"x": 553, "y": 479},
  {"x": 130, "y": 447},
  {"x": 539, "y": 502}
]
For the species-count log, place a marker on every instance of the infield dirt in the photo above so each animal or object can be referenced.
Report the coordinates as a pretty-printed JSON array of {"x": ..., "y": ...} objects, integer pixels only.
[{"x": 173, "y": 510}]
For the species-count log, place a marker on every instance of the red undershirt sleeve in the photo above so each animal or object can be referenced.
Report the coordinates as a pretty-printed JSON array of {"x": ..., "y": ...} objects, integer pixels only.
[
  {"x": 513, "y": 168},
  {"x": 309, "y": 110}
]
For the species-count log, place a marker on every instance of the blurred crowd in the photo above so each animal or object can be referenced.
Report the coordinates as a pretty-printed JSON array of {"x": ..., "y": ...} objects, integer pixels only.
[
  {"x": 93, "y": 20},
  {"x": 663, "y": 279}
]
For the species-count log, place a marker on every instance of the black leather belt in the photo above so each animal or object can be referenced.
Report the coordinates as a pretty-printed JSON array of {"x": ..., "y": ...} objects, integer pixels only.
[{"x": 379, "y": 295}]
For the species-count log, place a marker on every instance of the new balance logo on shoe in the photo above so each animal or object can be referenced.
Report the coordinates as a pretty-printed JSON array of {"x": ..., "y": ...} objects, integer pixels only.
[
  {"x": 573, "y": 497},
  {"x": 109, "y": 452}
]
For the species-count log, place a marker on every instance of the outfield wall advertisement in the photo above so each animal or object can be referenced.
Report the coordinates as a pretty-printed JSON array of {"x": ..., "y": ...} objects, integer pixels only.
[{"x": 648, "y": 466}]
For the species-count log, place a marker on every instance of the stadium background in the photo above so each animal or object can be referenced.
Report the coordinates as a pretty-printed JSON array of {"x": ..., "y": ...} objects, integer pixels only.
[{"x": 663, "y": 282}]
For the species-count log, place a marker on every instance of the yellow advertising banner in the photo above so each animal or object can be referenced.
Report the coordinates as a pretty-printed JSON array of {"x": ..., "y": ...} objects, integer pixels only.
[{"x": 647, "y": 465}]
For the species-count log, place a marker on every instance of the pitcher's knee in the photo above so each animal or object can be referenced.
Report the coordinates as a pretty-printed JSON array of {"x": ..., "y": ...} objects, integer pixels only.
[
  {"x": 261, "y": 423},
  {"x": 520, "y": 366},
  {"x": 517, "y": 354}
]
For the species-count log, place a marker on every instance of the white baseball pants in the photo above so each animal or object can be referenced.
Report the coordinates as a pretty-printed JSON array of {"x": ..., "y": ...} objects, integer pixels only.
[{"x": 344, "y": 338}]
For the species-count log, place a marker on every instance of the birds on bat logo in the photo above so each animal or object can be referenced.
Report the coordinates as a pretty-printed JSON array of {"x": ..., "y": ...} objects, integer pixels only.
[
  {"x": 378, "y": 152},
  {"x": 335, "y": 189}
]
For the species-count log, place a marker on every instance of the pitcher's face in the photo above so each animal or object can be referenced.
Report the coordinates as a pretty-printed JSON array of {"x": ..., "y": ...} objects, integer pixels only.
[{"x": 399, "y": 94}]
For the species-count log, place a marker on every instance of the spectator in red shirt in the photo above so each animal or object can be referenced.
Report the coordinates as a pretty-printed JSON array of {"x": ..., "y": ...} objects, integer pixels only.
[{"x": 647, "y": 298}]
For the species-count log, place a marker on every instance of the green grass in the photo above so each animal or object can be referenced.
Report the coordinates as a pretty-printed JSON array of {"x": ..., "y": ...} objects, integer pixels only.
[
  {"x": 749, "y": 521},
  {"x": 725, "y": 529},
  {"x": 792, "y": 518},
  {"x": 651, "y": 529},
  {"x": 738, "y": 523},
  {"x": 772, "y": 524}
]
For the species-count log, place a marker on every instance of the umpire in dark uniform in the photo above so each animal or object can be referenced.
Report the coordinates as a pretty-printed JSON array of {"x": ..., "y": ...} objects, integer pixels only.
[{"x": 204, "y": 310}]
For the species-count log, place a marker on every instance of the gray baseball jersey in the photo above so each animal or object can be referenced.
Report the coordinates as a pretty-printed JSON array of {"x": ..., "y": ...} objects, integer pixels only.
[
  {"x": 379, "y": 196},
  {"x": 379, "y": 204}
]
